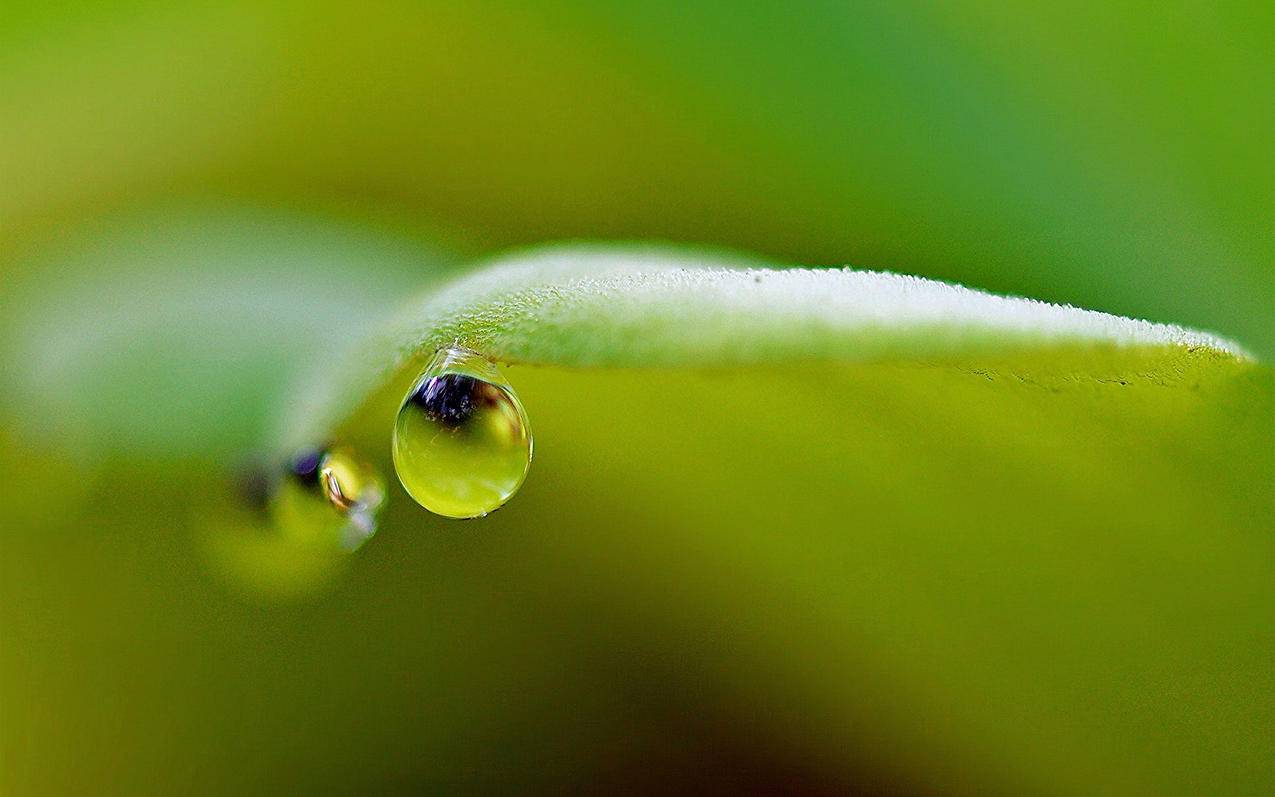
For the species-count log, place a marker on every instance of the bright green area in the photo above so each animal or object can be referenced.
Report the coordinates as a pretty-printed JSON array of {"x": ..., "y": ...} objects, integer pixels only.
[{"x": 1112, "y": 155}]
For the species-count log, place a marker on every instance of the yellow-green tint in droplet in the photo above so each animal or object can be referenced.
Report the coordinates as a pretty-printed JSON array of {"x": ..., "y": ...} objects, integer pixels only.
[
  {"x": 462, "y": 445},
  {"x": 347, "y": 482}
]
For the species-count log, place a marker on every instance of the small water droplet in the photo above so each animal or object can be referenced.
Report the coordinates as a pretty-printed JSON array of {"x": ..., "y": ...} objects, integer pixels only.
[
  {"x": 462, "y": 445},
  {"x": 328, "y": 493},
  {"x": 292, "y": 525}
]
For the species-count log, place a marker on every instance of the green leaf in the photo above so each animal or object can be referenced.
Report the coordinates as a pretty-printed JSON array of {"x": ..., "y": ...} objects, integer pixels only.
[
  {"x": 831, "y": 527},
  {"x": 976, "y": 543},
  {"x": 606, "y": 306}
]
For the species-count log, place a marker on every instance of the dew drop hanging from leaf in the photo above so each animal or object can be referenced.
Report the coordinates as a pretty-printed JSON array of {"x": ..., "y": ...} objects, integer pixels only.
[{"x": 462, "y": 445}]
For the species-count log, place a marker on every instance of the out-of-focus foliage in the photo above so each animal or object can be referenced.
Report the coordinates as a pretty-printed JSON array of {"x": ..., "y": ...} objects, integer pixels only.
[
  {"x": 1112, "y": 155},
  {"x": 177, "y": 330}
]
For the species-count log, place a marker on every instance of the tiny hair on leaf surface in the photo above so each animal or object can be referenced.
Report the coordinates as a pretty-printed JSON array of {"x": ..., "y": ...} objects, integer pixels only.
[{"x": 597, "y": 305}]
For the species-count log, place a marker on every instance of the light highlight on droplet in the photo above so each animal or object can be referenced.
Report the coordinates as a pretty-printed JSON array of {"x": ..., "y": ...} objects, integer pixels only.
[{"x": 462, "y": 445}]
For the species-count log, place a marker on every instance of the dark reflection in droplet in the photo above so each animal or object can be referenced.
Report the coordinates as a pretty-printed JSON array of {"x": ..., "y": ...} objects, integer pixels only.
[{"x": 462, "y": 445}]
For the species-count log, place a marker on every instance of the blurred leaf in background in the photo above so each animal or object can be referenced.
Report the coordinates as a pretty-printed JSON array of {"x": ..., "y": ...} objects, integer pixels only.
[
  {"x": 1112, "y": 155},
  {"x": 173, "y": 330}
]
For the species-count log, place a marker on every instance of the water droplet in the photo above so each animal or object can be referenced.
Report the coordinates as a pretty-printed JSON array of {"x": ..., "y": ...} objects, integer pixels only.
[
  {"x": 290, "y": 528},
  {"x": 328, "y": 494},
  {"x": 462, "y": 445}
]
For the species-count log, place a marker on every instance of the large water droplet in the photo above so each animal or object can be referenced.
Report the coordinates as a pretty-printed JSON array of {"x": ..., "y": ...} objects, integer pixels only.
[{"x": 462, "y": 445}]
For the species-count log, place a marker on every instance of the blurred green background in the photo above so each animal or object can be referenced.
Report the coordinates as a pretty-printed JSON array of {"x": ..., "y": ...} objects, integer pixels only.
[
  {"x": 1113, "y": 155},
  {"x": 198, "y": 200}
]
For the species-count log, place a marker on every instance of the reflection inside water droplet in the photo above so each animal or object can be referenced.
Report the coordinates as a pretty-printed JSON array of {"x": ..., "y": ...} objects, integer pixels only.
[{"x": 462, "y": 445}]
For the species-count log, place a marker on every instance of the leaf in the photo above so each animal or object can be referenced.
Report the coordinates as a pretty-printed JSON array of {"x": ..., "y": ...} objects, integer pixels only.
[
  {"x": 976, "y": 543},
  {"x": 602, "y": 306},
  {"x": 1001, "y": 548}
]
